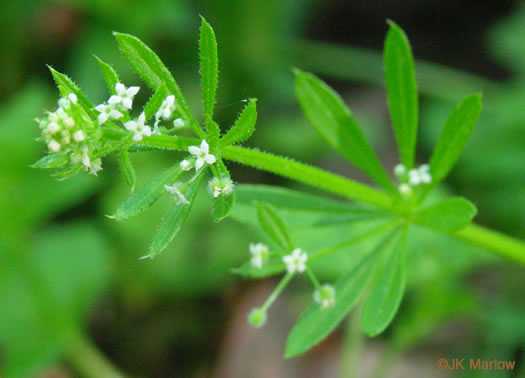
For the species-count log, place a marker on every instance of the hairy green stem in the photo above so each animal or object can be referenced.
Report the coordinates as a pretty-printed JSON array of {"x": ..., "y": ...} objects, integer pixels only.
[{"x": 492, "y": 240}]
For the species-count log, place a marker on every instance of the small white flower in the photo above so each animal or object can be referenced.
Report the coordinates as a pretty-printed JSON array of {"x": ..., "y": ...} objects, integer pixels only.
[
  {"x": 95, "y": 166},
  {"x": 124, "y": 95},
  {"x": 72, "y": 97},
  {"x": 296, "y": 261},
  {"x": 138, "y": 127},
  {"x": 167, "y": 108},
  {"x": 53, "y": 127},
  {"x": 220, "y": 187},
  {"x": 53, "y": 146},
  {"x": 69, "y": 122},
  {"x": 400, "y": 170},
  {"x": 186, "y": 165},
  {"x": 414, "y": 177},
  {"x": 405, "y": 190},
  {"x": 106, "y": 112},
  {"x": 259, "y": 254},
  {"x": 64, "y": 103},
  {"x": 179, "y": 123},
  {"x": 66, "y": 137},
  {"x": 177, "y": 194},
  {"x": 79, "y": 136},
  {"x": 424, "y": 174},
  {"x": 325, "y": 296},
  {"x": 202, "y": 154}
]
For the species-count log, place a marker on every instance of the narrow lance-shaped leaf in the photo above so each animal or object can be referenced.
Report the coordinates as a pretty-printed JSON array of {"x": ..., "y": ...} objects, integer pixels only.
[
  {"x": 317, "y": 323},
  {"x": 151, "y": 69},
  {"x": 454, "y": 137},
  {"x": 333, "y": 120},
  {"x": 126, "y": 167},
  {"x": 174, "y": 219},
  {"x": 290, "y": 199},
  {"x": 385, "y": 297},
  {"x": 214, "y": 133},
  {"x": 67, "y": 86},
  {"x": 155, "y": 102},
  {"x": 273, "y": 226},
  {"x": 223, "y": 204},
  {"x": 55, "y": 160},
  {"x": 401, "y": 92},
  {"x": 209, "y": 68},
  {"x": 449, "y": 215},
  {"x": 147, "y": 195},
  {"x": 243, "y": 127},
  {"x": 110, "y": 75}
]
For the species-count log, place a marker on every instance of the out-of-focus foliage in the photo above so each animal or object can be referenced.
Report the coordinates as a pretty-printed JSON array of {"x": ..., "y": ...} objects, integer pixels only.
[{"x": 61, "y": 279}]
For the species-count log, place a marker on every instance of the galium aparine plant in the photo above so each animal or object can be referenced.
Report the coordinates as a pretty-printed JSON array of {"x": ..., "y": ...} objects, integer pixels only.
[{"x": 79, "y": 134}]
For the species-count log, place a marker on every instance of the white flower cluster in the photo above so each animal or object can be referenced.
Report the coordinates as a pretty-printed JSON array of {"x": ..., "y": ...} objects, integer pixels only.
[
  {"x": 166, "y": 112},
  {"x": 412, "y": 178},
  {"x": 62, "y": 133},
  {"x": 117, "y": 104}
]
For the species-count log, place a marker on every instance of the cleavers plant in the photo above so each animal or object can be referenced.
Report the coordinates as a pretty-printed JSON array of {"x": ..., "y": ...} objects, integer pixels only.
[{"x": 79, "y": 134}]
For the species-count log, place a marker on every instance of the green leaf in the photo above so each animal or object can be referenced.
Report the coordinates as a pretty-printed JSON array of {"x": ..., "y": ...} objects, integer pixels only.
[
  {"x": 243, "y": 127},
  {"x": 273, "y": 226},
  {"x": 289, "y": 199},
  {"x": 454, "y": 137},
  {"x": 316, "y": 323},
  {"x": 270, "y": 268},
  {"x": 110, "y": 75},
  {"x": 333, "y": 120},
  {"x": 155, "y": 102},
  {"x": 385, "y": 297},
  {"x": 151, "y": 69},
  {"x": 56, "y": 160},
  {"x": 147, "y": 195},
  {"x": 126, "y": 167},
  {"x": 214, "y": 133},
  {"x": 66, "y": 86},
  {"x": 449, "y": 215},
  {"x": 174, "y": 219},
  {"x": 222, "y": 205},
  {"x": 209, "y": 68},
  {"x": 401, "y": 92}
]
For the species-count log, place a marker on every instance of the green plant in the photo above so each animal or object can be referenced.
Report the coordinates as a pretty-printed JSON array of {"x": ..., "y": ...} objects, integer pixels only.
[{"x": 79, "y": 135}]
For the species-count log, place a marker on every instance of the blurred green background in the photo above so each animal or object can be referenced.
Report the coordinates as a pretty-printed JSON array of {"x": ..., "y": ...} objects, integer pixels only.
[{"x": 71, "y": 285}]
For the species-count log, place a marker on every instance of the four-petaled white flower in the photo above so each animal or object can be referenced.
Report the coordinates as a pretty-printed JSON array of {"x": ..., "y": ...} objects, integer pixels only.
[
  {"x": 325, "y": 296},
  {"x": 259, "y": 254},
  {"x": 138, "y": 127},
  {"x": 202, "y": 154},
  {"x": 177, "y": 194},
  {"x": 167, "y": 108},
  {"x": 124, "y": 95},
  {"x": 106, "y": 112},
  {"x": 296, "y": 261}
]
